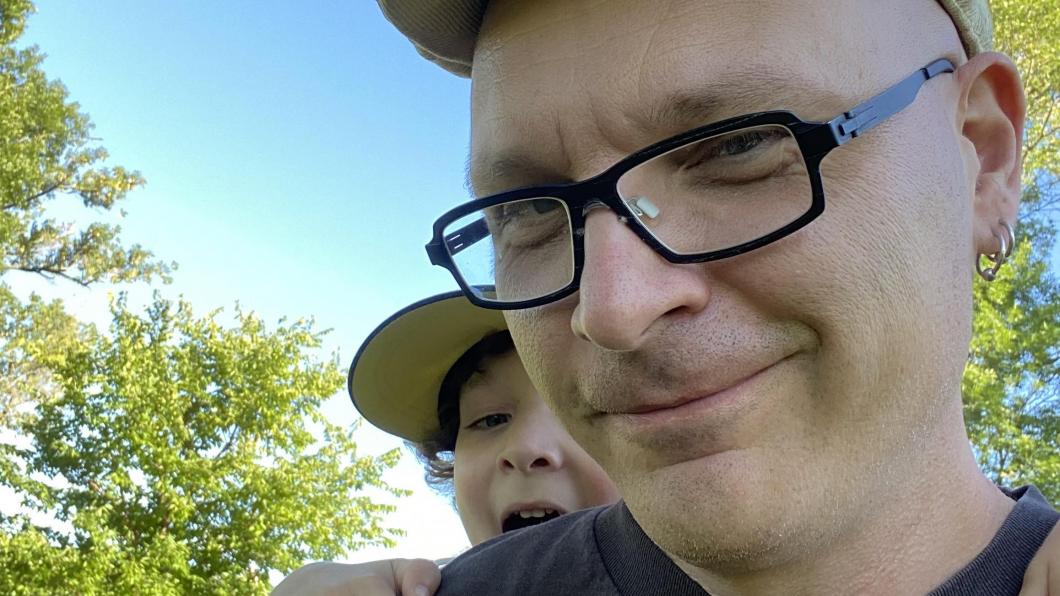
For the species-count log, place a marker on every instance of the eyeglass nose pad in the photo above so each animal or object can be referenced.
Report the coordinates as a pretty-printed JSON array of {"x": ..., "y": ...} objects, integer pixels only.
[
  {"x": 593, "y": 204},
  {"x": 642, "y": 207},
  {"x": 597, "y": 203}
]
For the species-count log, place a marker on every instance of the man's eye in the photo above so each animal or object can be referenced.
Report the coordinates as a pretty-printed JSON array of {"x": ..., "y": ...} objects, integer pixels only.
[
  {"x": 500, "y": 216},
  {"x": 490, "y": 421},
  {"x": 508, "y": 212},
  {"x": 739, "y": 158},
  {"x": 543, "y": 206},
  {"x": 742, "y": 143},
  {"x": 733, "y": 145},
  {"x": 528, "y": 223}
]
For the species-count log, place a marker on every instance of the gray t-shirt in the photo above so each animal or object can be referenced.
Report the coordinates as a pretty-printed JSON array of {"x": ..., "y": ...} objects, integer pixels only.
[{"x": 604, "y": 551}]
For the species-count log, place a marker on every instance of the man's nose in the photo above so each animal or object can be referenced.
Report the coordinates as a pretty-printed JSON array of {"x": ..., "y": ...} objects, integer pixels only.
[{"x": 626, "y": 286}]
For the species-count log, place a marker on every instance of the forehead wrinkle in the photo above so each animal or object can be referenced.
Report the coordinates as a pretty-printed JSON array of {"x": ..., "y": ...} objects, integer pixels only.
[
  {"x": 734, "y": 94},
  {"x": 524, "y": 164},
  {"x": 500, "y": 36}
]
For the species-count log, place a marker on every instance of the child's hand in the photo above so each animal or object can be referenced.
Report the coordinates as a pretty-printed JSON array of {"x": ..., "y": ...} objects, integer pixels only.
[
  {"x": 408, "y": 577},
  {"x": 1043, "y": 574}
]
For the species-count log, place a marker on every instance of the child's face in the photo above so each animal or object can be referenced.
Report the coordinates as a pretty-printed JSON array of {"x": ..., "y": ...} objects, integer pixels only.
[{"x": 515, "y": 465}]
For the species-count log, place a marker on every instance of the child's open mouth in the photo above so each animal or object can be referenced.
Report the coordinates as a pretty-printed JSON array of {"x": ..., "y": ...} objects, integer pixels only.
[{"x": 528, "y": 517}]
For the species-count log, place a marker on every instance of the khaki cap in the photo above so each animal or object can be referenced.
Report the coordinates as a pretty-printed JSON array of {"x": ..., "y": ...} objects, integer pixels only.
[
  {"x": 396, "y": 375},
  {"x": 444, "y": 31}
]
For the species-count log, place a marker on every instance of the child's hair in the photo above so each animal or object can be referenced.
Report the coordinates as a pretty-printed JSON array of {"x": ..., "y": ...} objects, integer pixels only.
[{"x": 436, "y": 453}]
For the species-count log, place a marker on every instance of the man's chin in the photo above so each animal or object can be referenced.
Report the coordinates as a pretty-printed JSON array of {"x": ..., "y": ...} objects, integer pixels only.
[
  {"x": 721, "y": 512},
  {"x": 695, "y": 469},
  {"x": 720, "y": 541}
]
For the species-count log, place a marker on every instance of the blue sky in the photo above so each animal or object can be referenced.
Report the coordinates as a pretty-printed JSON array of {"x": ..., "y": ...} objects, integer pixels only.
[
  {"x": 287, "y": 150},
  {"x": 296, "y": 155}
]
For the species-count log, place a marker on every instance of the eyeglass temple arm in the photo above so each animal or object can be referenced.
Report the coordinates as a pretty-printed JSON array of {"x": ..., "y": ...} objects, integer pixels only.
[{"x": 866, "y": 115}]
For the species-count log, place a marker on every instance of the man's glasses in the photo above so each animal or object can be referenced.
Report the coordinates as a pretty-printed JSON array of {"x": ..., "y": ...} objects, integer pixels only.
[{"x": 711, "y": 193}]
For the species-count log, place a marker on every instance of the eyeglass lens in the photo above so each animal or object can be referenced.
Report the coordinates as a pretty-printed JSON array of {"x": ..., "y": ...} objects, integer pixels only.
[{"x": 707, "y": 195}]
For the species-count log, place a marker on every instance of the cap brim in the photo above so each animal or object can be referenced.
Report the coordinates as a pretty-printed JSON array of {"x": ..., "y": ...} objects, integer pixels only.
[{"x": 396, "y": 375}]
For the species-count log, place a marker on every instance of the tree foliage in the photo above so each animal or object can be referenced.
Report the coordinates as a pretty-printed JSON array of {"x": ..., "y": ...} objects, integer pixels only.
[
  {"x": 169, "y": 454},
  {"x": 47, "y": 152},
  {"x": 1012, "y": 381},
  {"x": 35, "y": 336},
  {"x": 1029, "y": 32},
  {"x": 180, "y": 457},
  {"x": 47, "y": 155}
]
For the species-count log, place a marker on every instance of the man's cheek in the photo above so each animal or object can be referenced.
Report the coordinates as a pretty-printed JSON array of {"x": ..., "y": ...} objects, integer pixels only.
[
  {"x": 589, "y": 433},
  {"x": 540, "y": 340}
]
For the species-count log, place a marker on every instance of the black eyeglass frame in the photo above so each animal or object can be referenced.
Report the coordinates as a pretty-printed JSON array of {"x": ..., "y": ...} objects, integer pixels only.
[{"x": 815, "y": 141}]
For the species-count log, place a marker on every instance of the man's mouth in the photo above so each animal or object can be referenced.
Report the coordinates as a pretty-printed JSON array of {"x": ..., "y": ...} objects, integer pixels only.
[
  {"x": 711, "y": 397},
  {"x": 524, "y": 518}
]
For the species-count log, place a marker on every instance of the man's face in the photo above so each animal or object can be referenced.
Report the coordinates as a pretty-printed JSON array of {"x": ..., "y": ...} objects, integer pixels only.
[{"x": 748, "y": 406}]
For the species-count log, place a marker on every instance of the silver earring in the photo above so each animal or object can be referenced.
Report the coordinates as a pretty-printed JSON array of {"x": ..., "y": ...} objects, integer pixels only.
[{"x": 1007, "y": 241}]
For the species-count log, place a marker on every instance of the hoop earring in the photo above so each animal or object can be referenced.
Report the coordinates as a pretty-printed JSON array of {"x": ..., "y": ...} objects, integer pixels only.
[{"x": 1007, "y": 241}]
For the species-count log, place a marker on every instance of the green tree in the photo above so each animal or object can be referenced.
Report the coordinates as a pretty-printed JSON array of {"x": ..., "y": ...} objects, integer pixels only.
[
  {"x": 48, "y": 152},
  {"x": 34, "y": 337},
  {"x": 1012, "y": 380},
  {"x": 47, "y": 156},
  {"x": 180, "y": 457},
  {"x": 170, "y": 454},
  {"x": 1029, "y": 31}
]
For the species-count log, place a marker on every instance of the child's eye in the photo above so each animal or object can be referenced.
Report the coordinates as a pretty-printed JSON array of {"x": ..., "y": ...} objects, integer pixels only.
[{"x": 490, "y": 421}]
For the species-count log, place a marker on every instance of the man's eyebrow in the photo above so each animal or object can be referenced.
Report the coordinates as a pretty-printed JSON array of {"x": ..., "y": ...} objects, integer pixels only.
[
  {"x": 497, "y": 173},
  {"x": 733, "y": 94},
  {"x": 681, "y": 108},
  {"x": 468, "y": 187}
]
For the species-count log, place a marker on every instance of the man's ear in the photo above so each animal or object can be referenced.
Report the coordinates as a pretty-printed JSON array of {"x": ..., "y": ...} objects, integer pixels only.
[{"x": 990, "y": 116}]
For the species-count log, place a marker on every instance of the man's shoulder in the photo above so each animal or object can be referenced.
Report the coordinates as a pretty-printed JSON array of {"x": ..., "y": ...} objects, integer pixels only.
[
  {"x": 999, "y": 568},
  {"x": 560, "y": 556}
]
